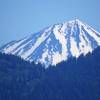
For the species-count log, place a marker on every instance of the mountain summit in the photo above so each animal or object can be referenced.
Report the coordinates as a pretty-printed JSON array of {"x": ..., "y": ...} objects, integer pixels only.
[{"x": 56, "y": 43}]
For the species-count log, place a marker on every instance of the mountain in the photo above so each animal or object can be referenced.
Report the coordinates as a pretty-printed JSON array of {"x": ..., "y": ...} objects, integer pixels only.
[
  {"x": 72, "y": 80},
  {"x": 56, "y": 43}
]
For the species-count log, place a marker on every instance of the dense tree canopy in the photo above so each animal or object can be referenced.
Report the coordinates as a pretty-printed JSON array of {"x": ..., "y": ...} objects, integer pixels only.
[{"x": 75, "y": 79}]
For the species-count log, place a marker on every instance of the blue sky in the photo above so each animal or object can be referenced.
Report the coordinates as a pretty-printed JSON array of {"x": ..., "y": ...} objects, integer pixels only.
[{"x": 19, "y": 18}]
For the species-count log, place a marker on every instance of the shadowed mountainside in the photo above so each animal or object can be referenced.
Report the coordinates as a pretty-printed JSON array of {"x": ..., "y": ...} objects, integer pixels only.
[{"x": 76, "y": 79}]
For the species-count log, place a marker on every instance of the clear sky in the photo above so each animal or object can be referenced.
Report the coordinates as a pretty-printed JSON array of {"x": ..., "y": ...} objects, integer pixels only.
[{"x": 19, "y": 18}]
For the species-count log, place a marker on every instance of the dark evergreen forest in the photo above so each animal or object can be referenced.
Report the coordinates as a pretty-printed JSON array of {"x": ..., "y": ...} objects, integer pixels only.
[{"x": 75, "y": 79}]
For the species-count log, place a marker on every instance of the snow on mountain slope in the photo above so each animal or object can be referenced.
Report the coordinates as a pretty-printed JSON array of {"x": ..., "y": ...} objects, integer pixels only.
[{"x": 56, "y": 43}]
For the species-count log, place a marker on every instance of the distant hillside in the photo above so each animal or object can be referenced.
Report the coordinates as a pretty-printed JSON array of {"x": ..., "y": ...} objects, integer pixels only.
[{"x": 76, "y": 79}]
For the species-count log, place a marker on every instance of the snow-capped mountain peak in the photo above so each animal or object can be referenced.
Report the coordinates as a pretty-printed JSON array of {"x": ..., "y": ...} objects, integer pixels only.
[{"x": 56, "y": 43}]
